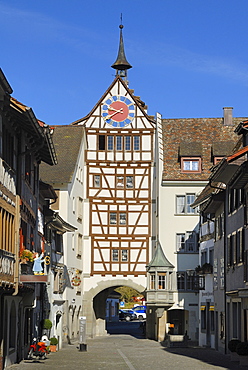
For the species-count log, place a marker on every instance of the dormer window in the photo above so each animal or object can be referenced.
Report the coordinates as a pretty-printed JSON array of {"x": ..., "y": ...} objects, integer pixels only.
[
  {"x": 191, "y": 164},
  {"x": 217, "y": 160},
  {"x": 190, "y": 154}
]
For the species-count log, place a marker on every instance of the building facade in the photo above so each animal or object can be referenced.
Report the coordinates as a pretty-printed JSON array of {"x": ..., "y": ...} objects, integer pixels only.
[
  {"x": 25, "y": 142},
  {"x": 190, "y": 148}
]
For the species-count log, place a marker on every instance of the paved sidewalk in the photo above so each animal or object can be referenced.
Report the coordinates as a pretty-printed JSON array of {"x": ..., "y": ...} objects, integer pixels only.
[{"x": 126, "y": 352}]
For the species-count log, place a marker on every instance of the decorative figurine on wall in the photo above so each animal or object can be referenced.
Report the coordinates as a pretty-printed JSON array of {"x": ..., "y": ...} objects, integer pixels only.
[{"x": 37, "y": 267}]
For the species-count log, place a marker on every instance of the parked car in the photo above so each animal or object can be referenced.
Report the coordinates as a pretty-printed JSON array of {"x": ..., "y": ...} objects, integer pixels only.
[
  {"x": 140, "y": 312},
  {"x": 127, "y": 315}
]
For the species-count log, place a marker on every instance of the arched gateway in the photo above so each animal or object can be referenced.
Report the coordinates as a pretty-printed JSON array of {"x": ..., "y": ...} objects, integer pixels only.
[{"x": 94, "y": 303}]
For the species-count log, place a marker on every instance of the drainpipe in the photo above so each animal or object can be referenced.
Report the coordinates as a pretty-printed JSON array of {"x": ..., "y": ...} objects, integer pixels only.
[{"x": 225, "y": 269}]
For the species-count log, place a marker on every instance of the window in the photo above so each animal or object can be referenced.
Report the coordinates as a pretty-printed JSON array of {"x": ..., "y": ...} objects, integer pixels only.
[
  {"x": 161, "y": 280},
  {"x": 123, "y": 218},
  {"x": 190, "y": 281},
  {"x": 115, "y": 255},
  {"x": 180, "y": 242},
  {"x": 128, "y": 143},
  {"x": 129, "y": 182},
  {"x": 120, "y": 182},
  {"x": 79, "y": 245},
  {"x": 180, "y": 280},
  {"x": 183, "y": 203},
  {"x": 101, "y": 142},
  {"x": 96, "y": 181},
  {"x": 124, "y": 255},
  {"x": 191, "y": 241},
  {"x": 187, "y": 242},
  {"x": 136, "y": 143},
  {"x": 58, "y": 238},
  {"x": 191, "y": 164},
  {"x": 110, "y": 142},
  {"x": 113, "y": 218},
  {"x": 118, "y": 142},
  {"x": 217, "y": 160},
  {"x": 152, "y": 281},
  {"x": 80, "y": 209}
]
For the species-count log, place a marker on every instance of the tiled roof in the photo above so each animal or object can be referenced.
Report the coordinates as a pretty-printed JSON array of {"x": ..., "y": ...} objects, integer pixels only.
[
  {"x": 67, "y": 141},
  {"x": 182, "y": 135},
  {"x": 237, "y": 154},
  {"x": 40, "y": 132}
]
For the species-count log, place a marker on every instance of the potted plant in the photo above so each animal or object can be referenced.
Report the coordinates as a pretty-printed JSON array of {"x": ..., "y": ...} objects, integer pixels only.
[
  {"x": 242, "y": 351},
  {"x": 47, "y": 325},
  {"x": 53, "y": 344},
  {"x": 26, "y": 256},
  {"x": 232, "y": 344},
  {"x": 26, "y": 259}
]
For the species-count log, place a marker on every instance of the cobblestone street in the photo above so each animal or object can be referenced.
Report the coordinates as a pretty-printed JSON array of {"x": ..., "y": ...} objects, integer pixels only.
[{"x": 131, "y": 351}]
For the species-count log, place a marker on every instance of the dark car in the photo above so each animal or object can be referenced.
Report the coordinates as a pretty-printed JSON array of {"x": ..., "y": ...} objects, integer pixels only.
[{"x": 127, "y": 315}]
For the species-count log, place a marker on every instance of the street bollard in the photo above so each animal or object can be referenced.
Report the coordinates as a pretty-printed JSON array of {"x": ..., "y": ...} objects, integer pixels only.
[{"x": 82, "y": 334}]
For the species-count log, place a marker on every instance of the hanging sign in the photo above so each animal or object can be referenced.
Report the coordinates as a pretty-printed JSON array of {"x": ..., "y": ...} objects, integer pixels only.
[{"x": 76, "y": 281}]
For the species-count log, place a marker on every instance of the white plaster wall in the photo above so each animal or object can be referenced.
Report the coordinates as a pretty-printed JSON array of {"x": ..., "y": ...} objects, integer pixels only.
[{"x": 170, "y": 223}]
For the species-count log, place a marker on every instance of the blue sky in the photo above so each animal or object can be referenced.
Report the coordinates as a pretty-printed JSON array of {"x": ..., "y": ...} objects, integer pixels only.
[{"x": 189, "y": 57}]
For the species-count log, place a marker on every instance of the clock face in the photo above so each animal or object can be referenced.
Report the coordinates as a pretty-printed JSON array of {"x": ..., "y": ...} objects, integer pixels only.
[{"x": 118, "y": 111}]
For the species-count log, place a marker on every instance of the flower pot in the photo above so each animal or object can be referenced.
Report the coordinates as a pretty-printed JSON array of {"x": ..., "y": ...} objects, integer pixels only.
[{"x": 53, "y": 348}]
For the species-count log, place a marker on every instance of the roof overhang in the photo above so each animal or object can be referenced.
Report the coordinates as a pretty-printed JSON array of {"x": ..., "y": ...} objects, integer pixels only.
[{"x": 224, "y": 173}]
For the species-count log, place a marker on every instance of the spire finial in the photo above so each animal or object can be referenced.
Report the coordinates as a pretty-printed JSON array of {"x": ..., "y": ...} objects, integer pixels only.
[{"x": 121, "y": 64}]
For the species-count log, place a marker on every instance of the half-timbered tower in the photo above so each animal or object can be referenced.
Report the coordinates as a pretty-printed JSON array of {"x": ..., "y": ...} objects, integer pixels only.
[{"x": 119, "y": 164}]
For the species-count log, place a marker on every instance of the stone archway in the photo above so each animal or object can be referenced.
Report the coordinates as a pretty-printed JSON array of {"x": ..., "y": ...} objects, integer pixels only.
[{"x": 94, "y": 304}]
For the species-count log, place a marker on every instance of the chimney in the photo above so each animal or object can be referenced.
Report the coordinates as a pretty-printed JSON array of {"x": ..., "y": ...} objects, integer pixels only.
[{"x": 227, "y": 116}]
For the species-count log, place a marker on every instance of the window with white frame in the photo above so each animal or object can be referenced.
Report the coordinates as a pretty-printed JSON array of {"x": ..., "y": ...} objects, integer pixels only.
[
  {"x": 152, "y": 280},
  {"x": 191, "y": 165},
  {"x": 115, "y": 255},
  {"x": 120, "y": 182},
  {"x": 187, "y": 242},
  {"x": 122, "y": 218},
  {"x": 183, "y": 204},
  {"x": 180, "y": 240},
  {"x": 113, "y": 218},
  {"x": 97, "y": 181},
  {"x": 124, "y": 256},
  {"x": 161, "y": 280},
  {"x": 79, "y": 245},
  {"x": 129, "y": 182},
  {"x": 79, "y": 208}
]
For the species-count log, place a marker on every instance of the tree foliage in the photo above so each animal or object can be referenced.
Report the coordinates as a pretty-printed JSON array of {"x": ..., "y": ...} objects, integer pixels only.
[{"x": 127, "y": 293}]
